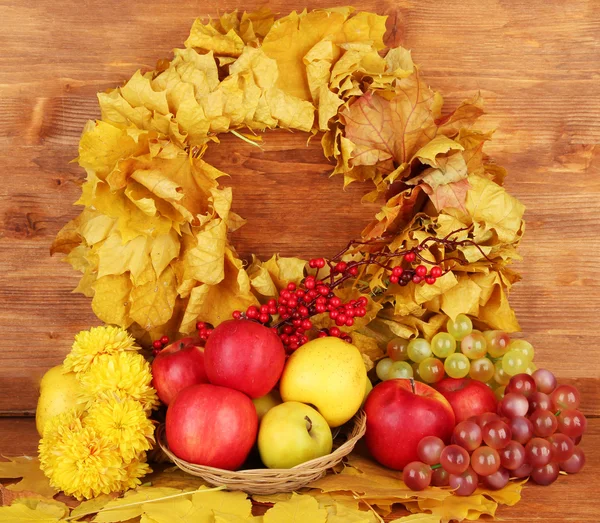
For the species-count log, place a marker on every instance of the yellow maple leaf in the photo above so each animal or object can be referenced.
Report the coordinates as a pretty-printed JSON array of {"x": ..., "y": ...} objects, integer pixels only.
[
  {"x": 27, "y": 468},
  {"x": 417, "y": 518},
  {"x": 458, "y": 507},
  {"x": 234, "y": 502},
  {"x": 22, "y": 513},
  {"x": 299, "y": 509},
  {"x": 111, "y": 299}
]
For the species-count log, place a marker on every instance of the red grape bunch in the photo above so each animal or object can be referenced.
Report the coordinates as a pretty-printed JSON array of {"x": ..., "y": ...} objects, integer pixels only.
[{"x": 535, "y": 433}]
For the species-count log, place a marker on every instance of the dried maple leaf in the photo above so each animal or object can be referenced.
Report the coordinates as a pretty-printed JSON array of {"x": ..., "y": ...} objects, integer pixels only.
[
  {"x": 27, "y": 468},
  {"x": 299, "y": 509}
]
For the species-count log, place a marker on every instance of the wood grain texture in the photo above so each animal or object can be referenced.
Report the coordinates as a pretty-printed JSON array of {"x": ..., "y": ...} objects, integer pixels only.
[
  {"x": 536, "y": 65},
  {"x": 574, "y": 493}
]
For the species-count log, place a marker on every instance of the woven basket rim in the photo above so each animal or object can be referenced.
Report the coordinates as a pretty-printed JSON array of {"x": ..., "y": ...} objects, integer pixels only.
[{"x": 354, "y": 430}]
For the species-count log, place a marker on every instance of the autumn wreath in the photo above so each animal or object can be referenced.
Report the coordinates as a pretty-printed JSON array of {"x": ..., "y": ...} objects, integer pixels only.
[{"x": 152, "y": 239}]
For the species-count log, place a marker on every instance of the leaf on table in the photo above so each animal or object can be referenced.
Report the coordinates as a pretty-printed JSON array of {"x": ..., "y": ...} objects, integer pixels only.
[
  {"x": 27, "y": 468},
  {"x": 372, "y": 483},
  {"x": 458, "y": 507},
  {"x": 173, "y": 477},
  {"x": 417, "y": 518},
  {"x": 130, "y": 505},
  {"x": 299, "y": 509},
  {"x": 18, "y": 512},
  {"x": 180, "y": 510},
  {"x": 206, "y": 38},
  {"x": 92, "y": 506},
  {"x": 233, "y": 502},
  {"x": 438, "y": 145},
  {"x": 220, "y": 517},
  {"x": 509, "y": 495}
]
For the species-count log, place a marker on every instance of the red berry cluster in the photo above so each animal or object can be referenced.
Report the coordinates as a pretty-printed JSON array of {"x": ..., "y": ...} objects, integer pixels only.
[
  {"x": 417, "y": 275},
  {"x": 159, "y": 345},
  {"x": 204, "y": 330}
]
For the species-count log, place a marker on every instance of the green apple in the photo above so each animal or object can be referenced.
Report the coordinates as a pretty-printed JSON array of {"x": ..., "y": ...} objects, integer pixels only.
[
  {"x": 328, "y": 373},
  {"x": 292, "y": 433},
  {"x": 59, "y": 391},
  {"x": 265, "y": 403}
]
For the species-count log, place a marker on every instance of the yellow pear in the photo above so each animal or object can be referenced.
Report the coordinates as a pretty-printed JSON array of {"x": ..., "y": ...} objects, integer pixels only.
[
  {"x": 58, "y": 393},
  {"x": 265, "y": 403},
  {"x": 329, "y": 374},
  {"x": 368, "y": 389}
]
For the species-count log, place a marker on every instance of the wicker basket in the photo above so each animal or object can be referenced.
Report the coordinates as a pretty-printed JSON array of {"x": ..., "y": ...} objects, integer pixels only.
[{"x": 271, "y": 481}]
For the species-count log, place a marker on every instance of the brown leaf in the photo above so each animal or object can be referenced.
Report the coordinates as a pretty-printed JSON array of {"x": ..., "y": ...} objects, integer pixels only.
[{"x": 382, "y": 128}]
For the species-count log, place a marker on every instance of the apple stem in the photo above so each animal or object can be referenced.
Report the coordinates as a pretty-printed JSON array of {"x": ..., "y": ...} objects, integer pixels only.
[
  {"x": 412, "y": 385},
  {"x": 437, "y": 466},
  {"x": 308, "y": 423}
]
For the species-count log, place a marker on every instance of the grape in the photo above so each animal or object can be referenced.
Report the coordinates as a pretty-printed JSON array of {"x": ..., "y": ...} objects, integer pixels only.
[
  {"x": 499, "y": 392},
  {"x": 440, "y": 477},
  {"x": 416, "y": 373},
  {"x": 522, "y": 384},
  {"x": 429, "y": 449},
  {"x": 544, "y": 423},
  {"x": 562, "y": 447},
  {"x": 572, "y": 423},
  {"x": 383, "y": 367},
  {"x": 565, "y": 397},
  {"x": 482, "y": 370},
  {"x": 497, "y": 343},
  {"x": 577, "y": 440},
  {"x": 575, "y": 463},
  {"x": 513, "y": 455},
  {"x": 522, "y": 429},
  {"x": 443, "y": 344},
  {"x": 397, "y": 349},
  {"x": 467, "y": 434},
  {"x": 454, "y": 459},
  {"x": 485, "y": 461},
  {"x": 483, "y": 419},
  {"x": 546, "y": 474},
  {"x": 523, "y": 471},
  {"x": 457, "y": 365},
  {"x": 538, "y": 452},
  {"x": 417, "y": 475},
  {"x": 460, "y": 327},
  {"x": 473, "y": 345},
  {"x": 539, "y": 400},
  {"x": 418, "y": 350},
  {"x": 496, "y": 434},
  {"x": 431, "y": 370},
  {"x": 513, "y": 405},
  {"x": 513, "y": 362},
  {"x": 464, "y": 484},
  {"x": 497, "y": 480},
  {"x": 399, "y": 369},
  {"x": 524, "y": 347},
  {"x": 545, "y": 380},
  {"x": 531, "y": 368},
  {"x": 500, "y": 375}
]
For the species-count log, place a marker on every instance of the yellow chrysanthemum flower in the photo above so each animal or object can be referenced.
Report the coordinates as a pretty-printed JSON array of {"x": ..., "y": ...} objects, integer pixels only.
[
  {"x": 124, "y": 423},
  {"x": 121, "y": 375},
  {"x": 89, "y": 345},
  {"x": 135, "y": 470},
  {"x": 85, "y": 465},
  {"x": 55, "y": 429}
]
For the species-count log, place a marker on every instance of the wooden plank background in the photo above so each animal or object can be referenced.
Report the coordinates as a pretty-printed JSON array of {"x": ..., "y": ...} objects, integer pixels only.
[{"x": 537, "y": 64}]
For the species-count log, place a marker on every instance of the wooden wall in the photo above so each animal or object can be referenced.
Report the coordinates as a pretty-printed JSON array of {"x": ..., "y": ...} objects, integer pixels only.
[{"x": 537, "y": 65}]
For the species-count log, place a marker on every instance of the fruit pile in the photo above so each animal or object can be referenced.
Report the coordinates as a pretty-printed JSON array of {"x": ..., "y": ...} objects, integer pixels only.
[
  {"x": 535, "y": 433},
  {"x": 239, "y": 388},
  {"x": 488, "y": 356}
]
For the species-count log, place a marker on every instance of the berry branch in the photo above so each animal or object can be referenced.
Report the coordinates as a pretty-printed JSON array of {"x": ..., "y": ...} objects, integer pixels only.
[{"x": 289, "y": 315}]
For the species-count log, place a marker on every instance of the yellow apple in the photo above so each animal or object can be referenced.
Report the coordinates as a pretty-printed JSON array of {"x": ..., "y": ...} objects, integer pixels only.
[
  {"x": 292, "y": 433},
  {"x": 265, "y": 403},
  {"x": 58, "y": 393},
  {"x": 328, "y": 373}
]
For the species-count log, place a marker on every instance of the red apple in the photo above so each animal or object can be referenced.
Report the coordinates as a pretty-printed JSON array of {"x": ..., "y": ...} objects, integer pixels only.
[
  {"x": 245, "y": 356},
  {"x": 178, "y": 366},
  {"x": 467, "y": 397},
  {"x": 400, "y": 413},
  {"x": 212, "y": 426}
]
